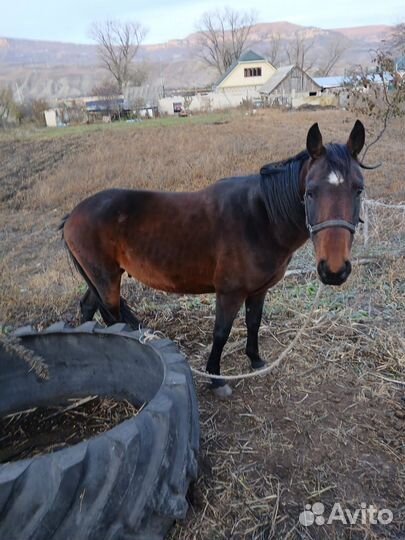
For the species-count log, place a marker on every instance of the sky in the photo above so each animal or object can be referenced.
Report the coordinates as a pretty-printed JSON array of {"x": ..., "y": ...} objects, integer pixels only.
[{"x": 69, "y": 20}]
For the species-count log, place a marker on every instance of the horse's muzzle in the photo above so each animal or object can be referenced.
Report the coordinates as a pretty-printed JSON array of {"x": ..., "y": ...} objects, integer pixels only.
[{"x": 333, "y": 278}]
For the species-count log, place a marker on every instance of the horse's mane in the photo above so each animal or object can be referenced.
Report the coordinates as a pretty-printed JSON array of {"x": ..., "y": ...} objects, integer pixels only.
[{"x": 279, "y": 182}]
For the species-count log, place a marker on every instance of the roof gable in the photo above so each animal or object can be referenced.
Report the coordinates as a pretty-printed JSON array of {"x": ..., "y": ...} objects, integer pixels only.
[
  {"x": 251, "y": 56},
  {"x": 248, "y": 56}
]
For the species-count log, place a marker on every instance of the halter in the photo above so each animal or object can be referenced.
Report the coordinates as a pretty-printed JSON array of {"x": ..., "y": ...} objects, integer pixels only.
[{"x": 341, "y": 223}]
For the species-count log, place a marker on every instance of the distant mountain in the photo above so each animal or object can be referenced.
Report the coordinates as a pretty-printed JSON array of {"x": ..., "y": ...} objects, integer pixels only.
[{"x": 53, "y": 69}]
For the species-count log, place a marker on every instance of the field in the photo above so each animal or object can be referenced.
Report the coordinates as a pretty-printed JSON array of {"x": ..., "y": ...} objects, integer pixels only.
[{"x": 328, "y": 425}]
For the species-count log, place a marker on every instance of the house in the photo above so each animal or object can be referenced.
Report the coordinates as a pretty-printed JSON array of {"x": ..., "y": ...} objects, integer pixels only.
[
  {"x": 241, "y": 81},
  {"x": 291, "y": 86},
  {"x": 245, "y": 76}
]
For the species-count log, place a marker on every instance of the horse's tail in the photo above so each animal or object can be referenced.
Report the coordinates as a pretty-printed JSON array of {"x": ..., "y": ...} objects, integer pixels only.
[
  {"x": 126, "y": 312},
  {"x": 107, "y": 316},
  {"x": 62, "y": 225}
]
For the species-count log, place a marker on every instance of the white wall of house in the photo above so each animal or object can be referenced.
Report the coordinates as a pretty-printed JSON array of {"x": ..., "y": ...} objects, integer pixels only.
[
  {"x": 321, "y": 100},
  {"x": 208, "y": 102}
]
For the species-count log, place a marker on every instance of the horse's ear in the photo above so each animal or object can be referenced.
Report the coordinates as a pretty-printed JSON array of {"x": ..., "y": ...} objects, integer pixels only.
[
  {"x": 356, "y": 139},
  {"x": 314, "y": 142}
]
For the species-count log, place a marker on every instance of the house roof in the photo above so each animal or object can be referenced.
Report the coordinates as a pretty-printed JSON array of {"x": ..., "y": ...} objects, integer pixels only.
[
  {"x": 248, "y": 56},
  {"x": 330, "y": 82},
  {"x": 149, "y": 94},
  {"x": 105, "y": 104},
  {"x": 278, "y": 77},
  {"x": 251, "y": 56}
]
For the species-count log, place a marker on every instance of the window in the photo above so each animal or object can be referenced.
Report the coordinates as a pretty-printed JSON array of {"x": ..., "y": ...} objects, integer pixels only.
[
  {"x": 312, "y": 93},
  {"x": 253, "y": 72},
  {"x": 177, "y": 107}
]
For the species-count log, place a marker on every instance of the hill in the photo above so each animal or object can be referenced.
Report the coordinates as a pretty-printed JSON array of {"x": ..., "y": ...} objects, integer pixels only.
[{"x": 56, "y": 69}]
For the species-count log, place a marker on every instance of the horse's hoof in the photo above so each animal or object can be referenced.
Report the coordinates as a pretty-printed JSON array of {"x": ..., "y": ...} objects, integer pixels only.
[
  {"x": 258, "y": 364},
  {"x": 222, "y": 392}
]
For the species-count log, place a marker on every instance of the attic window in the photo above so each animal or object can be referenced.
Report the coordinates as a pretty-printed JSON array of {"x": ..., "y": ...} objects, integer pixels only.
[
  {"x": 312, "y": 93},
  {"x": 253, "y": 72}
]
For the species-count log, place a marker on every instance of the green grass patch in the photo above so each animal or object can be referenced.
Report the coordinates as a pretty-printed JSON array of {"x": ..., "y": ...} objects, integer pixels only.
[{"x": 32, "y": 133}]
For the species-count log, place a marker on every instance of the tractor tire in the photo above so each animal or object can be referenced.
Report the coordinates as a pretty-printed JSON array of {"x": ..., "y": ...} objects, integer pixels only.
[{"x": 128, "y": 483}]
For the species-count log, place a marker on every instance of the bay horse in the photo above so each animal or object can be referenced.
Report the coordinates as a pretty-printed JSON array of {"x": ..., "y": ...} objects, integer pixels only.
[{"x": 234, "y": 238}]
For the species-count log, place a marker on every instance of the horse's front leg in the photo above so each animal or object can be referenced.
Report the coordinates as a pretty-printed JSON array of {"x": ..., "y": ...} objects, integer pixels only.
[
  {"x": 227, "y": 306},
  {"x": 254, "y": 311}
]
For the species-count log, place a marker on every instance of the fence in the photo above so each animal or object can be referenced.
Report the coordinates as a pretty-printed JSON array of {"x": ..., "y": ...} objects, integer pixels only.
[{"x": 383, "y": 222}]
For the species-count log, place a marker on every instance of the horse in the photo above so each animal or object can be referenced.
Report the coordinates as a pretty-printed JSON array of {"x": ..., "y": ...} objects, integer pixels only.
[{"x": 234, "y": 238}]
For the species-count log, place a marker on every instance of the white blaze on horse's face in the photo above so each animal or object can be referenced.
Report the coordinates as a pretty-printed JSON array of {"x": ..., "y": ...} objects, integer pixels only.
[{"x": 335, "y": 179}]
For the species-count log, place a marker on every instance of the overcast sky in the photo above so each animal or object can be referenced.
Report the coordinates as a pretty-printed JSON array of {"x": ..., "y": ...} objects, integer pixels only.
[{"x": 69, "y": 20}]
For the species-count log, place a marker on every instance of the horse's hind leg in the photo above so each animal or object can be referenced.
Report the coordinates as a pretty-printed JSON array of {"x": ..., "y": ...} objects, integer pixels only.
[
  {"x": 127, "y": 315},
  {"x": 88, "y": 306},
  {"x": 112, "y": 306},
  {"x": 227, "y": 306}
]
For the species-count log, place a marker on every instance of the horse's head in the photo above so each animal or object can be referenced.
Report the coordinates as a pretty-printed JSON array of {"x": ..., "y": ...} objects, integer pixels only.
[{"x": 333, "y": 186}]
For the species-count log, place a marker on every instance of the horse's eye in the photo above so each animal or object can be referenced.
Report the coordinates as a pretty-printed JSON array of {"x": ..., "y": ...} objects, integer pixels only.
[
  {"x": 359, "y": 192},
  {"x": 309, "y": 194}
]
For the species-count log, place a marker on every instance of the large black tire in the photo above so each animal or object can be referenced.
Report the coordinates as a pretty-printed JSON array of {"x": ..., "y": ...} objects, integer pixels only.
[{"x": 129, "y": 483}]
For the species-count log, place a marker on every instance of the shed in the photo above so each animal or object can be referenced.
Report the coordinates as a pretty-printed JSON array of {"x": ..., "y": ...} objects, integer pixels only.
[
  {"x": 287, "y": 83},
  {"x": 144, "y": 100},
  {"x": 114, "y": 107}
]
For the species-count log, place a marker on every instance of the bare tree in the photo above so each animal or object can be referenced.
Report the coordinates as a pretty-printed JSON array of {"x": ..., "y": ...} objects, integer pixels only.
[
  {"x": 297, "y": 51},
  {"x": 223, "y": 36},
  {"x": 274, "y": 50},
  {"x": 7, "y": 104},
  {"x": 107, "y": 88},
  {"x": 397, "y": 41},
  {"x": 332, "y": 55},
  {"x": 118, "y": 42},
  {"x": 379, "y": 94}
]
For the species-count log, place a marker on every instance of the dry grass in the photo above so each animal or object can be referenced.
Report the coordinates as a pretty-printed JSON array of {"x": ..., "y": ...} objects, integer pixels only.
[
  {"x": 44, "y": 430},
  {"x": 325, "y": 426}
]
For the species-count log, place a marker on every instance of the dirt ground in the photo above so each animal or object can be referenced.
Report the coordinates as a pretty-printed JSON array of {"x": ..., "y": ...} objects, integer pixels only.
[
  {"x": 47, "y": 429},
  {"x": 328, "y": 425}
]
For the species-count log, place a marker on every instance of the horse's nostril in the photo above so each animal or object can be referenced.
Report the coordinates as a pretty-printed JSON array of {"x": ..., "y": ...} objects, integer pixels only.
[{"x": 348, "y": 267}]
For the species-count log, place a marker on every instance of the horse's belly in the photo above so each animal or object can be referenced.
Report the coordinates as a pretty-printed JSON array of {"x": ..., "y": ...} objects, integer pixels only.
[{"x": 188, "y": 281}]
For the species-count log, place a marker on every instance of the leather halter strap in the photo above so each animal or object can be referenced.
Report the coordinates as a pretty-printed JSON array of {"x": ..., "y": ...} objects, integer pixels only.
[
  {"x": 341, "y": 223},
  {"x": 331, "y": 223}
]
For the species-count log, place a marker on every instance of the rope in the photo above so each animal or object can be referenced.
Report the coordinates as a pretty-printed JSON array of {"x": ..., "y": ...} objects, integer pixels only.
[
  {"x": 35, "y": 361},
  {"x": 276, "y": 362}
]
